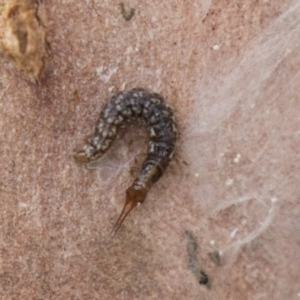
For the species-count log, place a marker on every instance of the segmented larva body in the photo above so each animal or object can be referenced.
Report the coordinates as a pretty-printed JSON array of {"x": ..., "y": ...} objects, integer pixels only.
[{"x": 158, "y": 116}]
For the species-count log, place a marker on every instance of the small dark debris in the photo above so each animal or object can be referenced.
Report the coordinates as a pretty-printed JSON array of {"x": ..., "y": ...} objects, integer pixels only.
[
  {"x": 215, "y": 257},
  {"x": 126, "y": 15},
  {"x": 193, "y": 265},
  {"x": 204, "y": 278},
  {"x": 192, "y": 243}
]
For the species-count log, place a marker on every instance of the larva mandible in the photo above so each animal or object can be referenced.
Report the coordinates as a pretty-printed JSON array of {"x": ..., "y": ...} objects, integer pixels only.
[{"x": 124, "y": 107}]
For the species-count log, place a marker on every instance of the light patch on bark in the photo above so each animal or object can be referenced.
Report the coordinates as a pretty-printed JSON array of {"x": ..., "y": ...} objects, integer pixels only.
[{"x": 23, "y": 37}]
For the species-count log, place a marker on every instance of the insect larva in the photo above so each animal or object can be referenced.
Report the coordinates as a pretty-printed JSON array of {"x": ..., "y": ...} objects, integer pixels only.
[{"x": 158, "y": 116}]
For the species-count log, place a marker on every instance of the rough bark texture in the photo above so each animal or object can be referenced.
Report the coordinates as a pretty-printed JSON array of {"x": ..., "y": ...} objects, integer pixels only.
[{"x": 231, "y": 71}]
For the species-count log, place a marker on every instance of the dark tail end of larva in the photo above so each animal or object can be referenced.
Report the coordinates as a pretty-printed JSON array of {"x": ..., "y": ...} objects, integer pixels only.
[{"x": 134, "y": 196}]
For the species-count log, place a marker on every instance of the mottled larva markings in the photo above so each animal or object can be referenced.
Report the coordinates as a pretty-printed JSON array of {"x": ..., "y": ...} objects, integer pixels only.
[{"x": 158, "y": 116}]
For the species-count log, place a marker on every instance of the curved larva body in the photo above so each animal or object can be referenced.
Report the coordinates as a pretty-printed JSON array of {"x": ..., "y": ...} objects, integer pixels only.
[{"x": 158, "y": 116}]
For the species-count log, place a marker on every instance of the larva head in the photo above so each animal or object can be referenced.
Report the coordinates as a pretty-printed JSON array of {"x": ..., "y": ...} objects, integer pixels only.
[
  {"x": 81, "y": 157},
  {"x": 88, "y": 154},
  {"x": 134, "y": 196}
]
